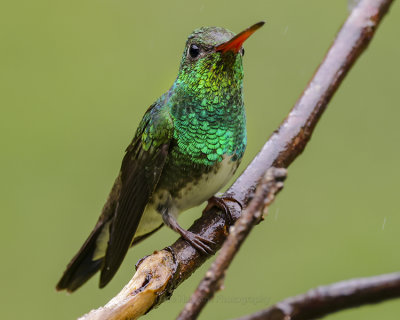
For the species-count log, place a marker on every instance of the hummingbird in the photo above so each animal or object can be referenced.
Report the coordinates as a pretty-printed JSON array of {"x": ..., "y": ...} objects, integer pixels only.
[{"x": 187, "y": 146}]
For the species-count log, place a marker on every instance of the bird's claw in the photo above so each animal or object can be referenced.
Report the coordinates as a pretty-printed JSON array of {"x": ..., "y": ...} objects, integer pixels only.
[
  {"x": 220, "y": 203},
  {"x": 199, "y": 243}
]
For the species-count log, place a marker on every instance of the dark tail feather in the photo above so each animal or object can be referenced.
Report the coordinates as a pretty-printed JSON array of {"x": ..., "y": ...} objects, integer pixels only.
[{"x": 82, "y": 267}]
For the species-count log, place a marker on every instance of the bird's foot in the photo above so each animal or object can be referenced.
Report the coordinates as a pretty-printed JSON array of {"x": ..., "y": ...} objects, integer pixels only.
[
  {"x": 198, "y": 242},
  {"x": 220, "y": 203}
]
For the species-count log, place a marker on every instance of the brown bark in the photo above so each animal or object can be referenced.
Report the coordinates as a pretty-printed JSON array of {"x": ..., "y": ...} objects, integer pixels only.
[{"x": 325, "y": 300}]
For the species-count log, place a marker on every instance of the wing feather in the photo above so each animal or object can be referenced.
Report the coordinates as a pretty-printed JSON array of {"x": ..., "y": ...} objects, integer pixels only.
[{"x": 140, "y": 172}]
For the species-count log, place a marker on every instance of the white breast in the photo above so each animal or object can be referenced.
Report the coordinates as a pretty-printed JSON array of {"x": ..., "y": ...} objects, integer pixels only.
[{"x": 210, "y": 183}]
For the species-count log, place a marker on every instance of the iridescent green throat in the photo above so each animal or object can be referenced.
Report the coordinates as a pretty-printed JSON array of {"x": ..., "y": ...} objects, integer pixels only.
[{"x": 207, "y": 108}]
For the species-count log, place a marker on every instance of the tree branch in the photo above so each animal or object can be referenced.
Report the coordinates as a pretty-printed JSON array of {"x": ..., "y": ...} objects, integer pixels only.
[
  {"x": 265, "y": 194},
  {"x": 324, "y": 300},
  {"x": 180, "y": 260}
]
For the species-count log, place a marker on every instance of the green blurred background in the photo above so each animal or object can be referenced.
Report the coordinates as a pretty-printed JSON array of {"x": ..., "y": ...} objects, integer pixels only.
[{"x": 77, "y": 76}]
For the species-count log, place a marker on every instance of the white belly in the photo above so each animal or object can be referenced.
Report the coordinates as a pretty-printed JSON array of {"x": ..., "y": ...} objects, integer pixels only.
[{"x": 195, "y": 193}]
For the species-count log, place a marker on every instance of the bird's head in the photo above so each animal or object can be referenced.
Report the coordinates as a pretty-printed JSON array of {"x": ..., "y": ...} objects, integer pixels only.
[{"x": 212, "y": 59}]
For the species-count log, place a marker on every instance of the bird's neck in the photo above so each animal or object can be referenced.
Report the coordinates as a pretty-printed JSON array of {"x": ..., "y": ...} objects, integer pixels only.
[{"x": 211, "y": 88}]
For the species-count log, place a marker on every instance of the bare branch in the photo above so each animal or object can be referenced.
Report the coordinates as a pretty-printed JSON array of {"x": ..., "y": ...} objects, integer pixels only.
[
  {"x": 324, "y": 300},
  {"x": 140, "y": 293},
  {"x": 283, "y": 147},
  {"x": 265, "y": 193}
]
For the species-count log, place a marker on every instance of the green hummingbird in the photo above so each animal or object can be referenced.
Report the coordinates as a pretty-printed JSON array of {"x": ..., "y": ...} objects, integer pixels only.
[{"x": 187, "y": 146}]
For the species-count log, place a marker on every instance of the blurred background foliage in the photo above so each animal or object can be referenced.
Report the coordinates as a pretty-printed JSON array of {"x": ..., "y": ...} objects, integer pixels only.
[{"x": 77, "y": 76}]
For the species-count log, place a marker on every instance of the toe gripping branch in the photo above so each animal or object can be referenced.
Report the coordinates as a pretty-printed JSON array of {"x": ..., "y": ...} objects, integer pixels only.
[{"x": 221, "y": 203}]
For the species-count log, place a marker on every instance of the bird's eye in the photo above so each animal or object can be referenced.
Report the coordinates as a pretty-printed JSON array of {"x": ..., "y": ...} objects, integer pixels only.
[
  {"x": 194, "y": 51},
  {"x": 242, "y": 52}
]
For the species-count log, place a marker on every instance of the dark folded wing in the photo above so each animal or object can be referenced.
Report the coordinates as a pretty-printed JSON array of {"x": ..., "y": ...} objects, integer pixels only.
[{"x": 140, "y": 173}]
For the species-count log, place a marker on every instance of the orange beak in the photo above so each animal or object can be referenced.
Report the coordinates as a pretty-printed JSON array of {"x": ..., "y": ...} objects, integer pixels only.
[{"x": 237, "y": 41}]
